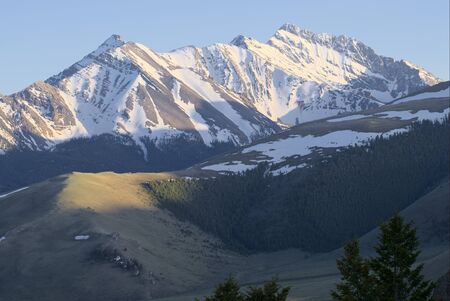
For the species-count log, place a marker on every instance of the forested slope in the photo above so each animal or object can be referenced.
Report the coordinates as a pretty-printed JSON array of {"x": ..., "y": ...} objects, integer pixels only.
[{"x": 316, "y": 208}]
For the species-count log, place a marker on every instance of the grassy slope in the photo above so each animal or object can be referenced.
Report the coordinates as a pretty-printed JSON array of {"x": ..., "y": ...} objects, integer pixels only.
[{"x": 40, "y": 258}]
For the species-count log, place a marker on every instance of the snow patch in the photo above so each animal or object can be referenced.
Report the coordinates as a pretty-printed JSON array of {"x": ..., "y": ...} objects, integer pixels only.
[
  {"x": 287, "y": 169},
  {"x": 207, "y": 92},
  {"x": 347, "y": 118},
  {"x": 426, "y": 95},
  {"x": 81, "y": 237},
  {"x": 419, "y": 115},
  {"x": 233, "y": 166},
  {"x": 281, "y": 149},
  {"x": 197, "y": 120}
]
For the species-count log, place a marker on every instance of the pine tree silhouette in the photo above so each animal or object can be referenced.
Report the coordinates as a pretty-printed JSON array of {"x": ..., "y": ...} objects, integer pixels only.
[
  {"x": 396, "y": 276},
  {"x": 356, "y": 282}
]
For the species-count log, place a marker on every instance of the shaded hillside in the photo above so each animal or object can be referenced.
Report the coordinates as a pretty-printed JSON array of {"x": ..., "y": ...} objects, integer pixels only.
[
  {"x": 442, "y": 291},
  {"x": 312, "y": 276},
  {"x": 100, "y": 153},
  {"x": 316, "y": 208}
]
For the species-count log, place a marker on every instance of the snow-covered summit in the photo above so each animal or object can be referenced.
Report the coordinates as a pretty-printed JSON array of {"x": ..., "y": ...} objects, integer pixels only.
[
  {"x": 289, "y": 27},
  {"x": 301, "y": 32},
  {"x": 114, "y": 41},
  {"x": 232, "y": 92},
  {"x": 240, "y": 41}
]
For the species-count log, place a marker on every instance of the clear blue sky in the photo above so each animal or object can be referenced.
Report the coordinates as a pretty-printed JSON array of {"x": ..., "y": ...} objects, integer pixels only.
[{"x": 40, "y": 38}]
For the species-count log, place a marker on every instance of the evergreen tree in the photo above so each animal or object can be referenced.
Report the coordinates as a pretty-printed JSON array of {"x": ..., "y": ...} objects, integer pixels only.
[
  {"x": 230, "y": 291},
  {"x": 227, "y": 291},
  {"x": 271, "y": 291},
  {"x": 396, "y": 277},
  {"x": 356, "y": 282}
]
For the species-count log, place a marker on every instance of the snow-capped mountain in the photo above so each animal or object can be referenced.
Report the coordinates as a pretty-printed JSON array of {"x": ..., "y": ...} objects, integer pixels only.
[
  {"x": 221, "y": 93},
  {"x": 128, "y": 89}
]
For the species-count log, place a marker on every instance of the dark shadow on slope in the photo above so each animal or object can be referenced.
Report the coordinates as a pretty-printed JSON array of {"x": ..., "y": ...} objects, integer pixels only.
[
  {"x": 102, "y": 153},
  {"x": 30, "y": 204}
]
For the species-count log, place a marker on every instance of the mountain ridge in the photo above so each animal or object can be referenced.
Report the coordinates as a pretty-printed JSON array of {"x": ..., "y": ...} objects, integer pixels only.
[{"x": 220, "y": 93}]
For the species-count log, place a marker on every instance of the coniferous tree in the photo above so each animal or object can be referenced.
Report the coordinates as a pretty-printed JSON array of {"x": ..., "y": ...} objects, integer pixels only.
[
  {"x": 227, "y": 291},
  {"x": 356, "y": 282},
  {"x": 230, "y": 291},
  {"x": 396, "y": 276},
  {"x": 271, "y": 291}
]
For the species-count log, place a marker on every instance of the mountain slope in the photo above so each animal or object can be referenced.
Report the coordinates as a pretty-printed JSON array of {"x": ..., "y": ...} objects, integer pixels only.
[
  {"x": 441, "y": 90},
  {"x": 298, "y": 76},
  {"x": 62, "y": 238},
  {"x": 312, "y": 277},
  {"x": 224, "y": 93},
  {"x": 294, "y": 148},
  {"x": 38, "y": 226},
  {"x": 339, "y": 195}
]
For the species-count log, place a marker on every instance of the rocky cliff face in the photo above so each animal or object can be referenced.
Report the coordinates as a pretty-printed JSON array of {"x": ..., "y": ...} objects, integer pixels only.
[{"x": 231, "y": 93}]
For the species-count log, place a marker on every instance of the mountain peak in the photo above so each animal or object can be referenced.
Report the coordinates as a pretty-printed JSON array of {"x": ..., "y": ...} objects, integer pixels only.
[
  {"x": 128, "y": 89},
  {"x": 240, "y": 41},
  {"x": 304, "y": 33},
  {"x": 292, "y": 28},
  {"x": 114, "y": 41}
]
